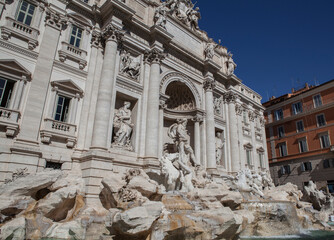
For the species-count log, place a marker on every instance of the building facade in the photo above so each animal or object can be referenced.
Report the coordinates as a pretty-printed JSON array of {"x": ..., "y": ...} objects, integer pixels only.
[
  {"x": 94, "y": 86},
  {"x": 300, "y": 128}
]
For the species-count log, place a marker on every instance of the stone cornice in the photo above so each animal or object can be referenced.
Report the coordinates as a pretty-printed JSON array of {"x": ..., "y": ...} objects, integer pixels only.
[
  {"x": 71, "y": 69},
  {"x": 18, "y": 49},
  {"x": 55, "y": 19}
]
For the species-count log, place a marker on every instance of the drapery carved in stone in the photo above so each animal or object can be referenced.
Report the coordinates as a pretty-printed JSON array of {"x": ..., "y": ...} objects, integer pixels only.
[{"x": 181, "y": 97}]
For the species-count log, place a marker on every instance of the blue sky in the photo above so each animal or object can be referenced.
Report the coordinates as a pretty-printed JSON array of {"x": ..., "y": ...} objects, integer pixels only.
[{"x": 277, "y": 44}]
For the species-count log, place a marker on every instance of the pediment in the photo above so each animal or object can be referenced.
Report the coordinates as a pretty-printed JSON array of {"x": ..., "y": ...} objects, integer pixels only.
[
  {"x": 80, "y": 19},
  {"x": 13, "y": 67},
  {"x": 67, "y": 85}
]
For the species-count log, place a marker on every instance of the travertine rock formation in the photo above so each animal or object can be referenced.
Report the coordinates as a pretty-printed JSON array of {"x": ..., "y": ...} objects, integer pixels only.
[{"x": 51, "y": 204}]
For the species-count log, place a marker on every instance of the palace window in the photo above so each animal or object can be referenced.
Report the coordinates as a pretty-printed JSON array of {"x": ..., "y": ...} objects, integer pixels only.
[
  {"x": 76, "y": 36},
  {"x": 300, "y": 126},
  {"x": 261, "y": 156},
  {"x": 285, "y": 170},
  {"x": 327, "y": 163},
  {"x": 321, "y": 120},
  {"x": 280, "y": 131},
  {"x": 282, "y": 149},
  {"x": 317, "y": 101},
  {"x": 302, "y": 145},
  {"x": 244, "y": 116},
  {"x": 324, "y": 140},
  {"x": 6, "y": 90},
  {"x": 306, "y": 166},
  {"x": 297, "y": 108},
  {"x": 25, "y": 12},
  {"x": 278, "y": 114},
  {"x": 61, "y": 109},
  {"x": 330, "y": 185}
]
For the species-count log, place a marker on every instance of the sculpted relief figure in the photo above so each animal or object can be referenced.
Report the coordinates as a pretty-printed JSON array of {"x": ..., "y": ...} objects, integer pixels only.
[
  {"x": 130, "y": 66},
  {"x": 123, "y": 125},
  {"x": 219, "y": 148},
  {"x": 193, "y": 17},
  {"x": 209, "y": 50}
]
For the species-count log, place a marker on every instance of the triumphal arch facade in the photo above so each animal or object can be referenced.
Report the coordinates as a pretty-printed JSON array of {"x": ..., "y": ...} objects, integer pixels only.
[{"x": 102, "y": 86}]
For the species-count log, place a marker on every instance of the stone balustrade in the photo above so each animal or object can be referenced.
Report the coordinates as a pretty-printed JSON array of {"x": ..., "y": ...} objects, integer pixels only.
[
  {"x": 73, "y": 53},
  {"x": 20, "y": 30},
  {"x": 59, "y": 130},
  {"x": 9, "y": 118}
]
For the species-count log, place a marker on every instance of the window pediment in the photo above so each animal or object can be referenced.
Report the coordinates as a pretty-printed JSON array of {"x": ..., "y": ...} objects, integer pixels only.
[
  {"x": 68, "y": 86},
  {"x": 15, "y": 68},
  {"x": 248, "y": 146}
]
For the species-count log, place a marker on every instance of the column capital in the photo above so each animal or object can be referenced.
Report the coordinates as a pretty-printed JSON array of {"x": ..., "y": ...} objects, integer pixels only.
[
  {"x": 209, "y": 84},
  {"x": 55, "y": 19},
  {"x": 111, "y": 33},
  {"x": 96, "y": 40},
  {"x": 154, "y": 56},
  {"x": 198, "y": 118},
  {"x": 230, "y": 97}
]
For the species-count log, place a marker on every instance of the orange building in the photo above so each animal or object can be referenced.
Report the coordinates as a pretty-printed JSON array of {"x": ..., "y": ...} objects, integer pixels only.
[{"x": 300, "y": 136}]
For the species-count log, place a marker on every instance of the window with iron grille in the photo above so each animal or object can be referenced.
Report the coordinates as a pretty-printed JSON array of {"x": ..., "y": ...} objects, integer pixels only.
[
  {"x": 25, "y": 12},
  {"x": 6, "y": 89},
  {"x": 76, "y": 36}
]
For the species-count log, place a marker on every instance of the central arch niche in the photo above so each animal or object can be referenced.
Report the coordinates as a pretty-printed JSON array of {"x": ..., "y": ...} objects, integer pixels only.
[{"x": 180, "y": 97}]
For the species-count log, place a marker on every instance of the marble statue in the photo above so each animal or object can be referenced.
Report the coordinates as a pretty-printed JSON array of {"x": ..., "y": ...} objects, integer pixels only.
[
  {"x": 219, "y": 148},
  {"x": 179, "y": 134},
  {"x": 193, "y": 17},
  {"x": 209, "y": 50},
  {"x": 217, "y": 104},
  {"x": 123, "y": 122},
  {"x": 130, "y": 66},
  {"x": 160, "y": 16},
  {"x": 230, "y": 65}
]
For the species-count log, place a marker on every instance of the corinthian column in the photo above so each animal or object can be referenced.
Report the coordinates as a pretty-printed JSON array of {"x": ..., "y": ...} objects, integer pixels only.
[
  {"x": 230, "y": 99},
  {"x": 209, "y": 85},
  {"x": 154, "y": 57},
  {"x": 112, "y": 36}
]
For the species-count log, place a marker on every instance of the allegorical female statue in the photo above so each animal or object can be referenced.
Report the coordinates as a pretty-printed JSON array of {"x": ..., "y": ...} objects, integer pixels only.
[{"x": 123, "y": 122}]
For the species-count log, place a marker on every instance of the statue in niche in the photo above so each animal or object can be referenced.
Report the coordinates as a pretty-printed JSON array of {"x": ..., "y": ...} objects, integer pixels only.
[
  {"x": 179, "y": 134},
  {"x": 130, "y": 66},
  {"x": 160, "y": 16},
  {"x": 123, "y": 124},
  {"x": 219, "y": 148},
  {"x": 180, "y": 168},
  {"x": 217, "y": 103},
  {"x": 230, "y": 65}
]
